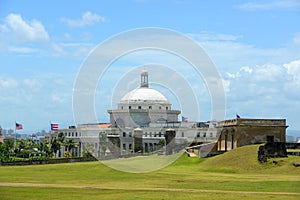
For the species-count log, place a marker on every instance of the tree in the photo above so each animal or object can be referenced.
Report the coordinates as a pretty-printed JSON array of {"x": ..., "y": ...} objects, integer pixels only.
[
  {"x": 61, "y": 138},
  {"x": 57, "y": 143},
  {"x": 9, "y": 143},
  {"x": 103, "y": 143},
  {"x": 6, "y": 150},
  {"x": 55, "y": 146},
  {"x": 45, "y": 147},
  {"x": 161, "y": 143},
  {"x": 71, "y": 144}
]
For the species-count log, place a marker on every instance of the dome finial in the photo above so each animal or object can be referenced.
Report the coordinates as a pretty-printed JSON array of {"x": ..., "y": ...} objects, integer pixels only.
[{"x": 144, "y": 78}]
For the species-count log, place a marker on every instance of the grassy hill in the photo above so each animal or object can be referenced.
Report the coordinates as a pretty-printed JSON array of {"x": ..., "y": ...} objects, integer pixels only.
[
  {"x": 235, "y": 174},
  {"x": 244, "y": 159}
]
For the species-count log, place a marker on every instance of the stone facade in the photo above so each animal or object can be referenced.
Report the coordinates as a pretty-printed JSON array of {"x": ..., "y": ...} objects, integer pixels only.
[{"x": 240, "y": 132}]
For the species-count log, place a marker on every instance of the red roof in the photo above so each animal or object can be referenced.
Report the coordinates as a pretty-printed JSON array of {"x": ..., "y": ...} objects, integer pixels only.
[{"x": 104, "y": 125}]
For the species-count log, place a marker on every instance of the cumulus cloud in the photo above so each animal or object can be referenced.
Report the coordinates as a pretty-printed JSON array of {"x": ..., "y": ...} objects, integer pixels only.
[
  {"x": 87, "y": 18},
  {"x": 24, "y": 31},
  {"x": 293, "y": 68},
  {"x": 263, "y": 89}
]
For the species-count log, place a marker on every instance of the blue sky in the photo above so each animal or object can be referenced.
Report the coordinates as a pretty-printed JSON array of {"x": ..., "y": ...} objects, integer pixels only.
[{"x": 255, "y": 46}]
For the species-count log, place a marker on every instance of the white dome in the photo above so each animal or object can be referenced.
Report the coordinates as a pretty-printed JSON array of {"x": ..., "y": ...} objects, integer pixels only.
[{"x": 144, "y": 94}]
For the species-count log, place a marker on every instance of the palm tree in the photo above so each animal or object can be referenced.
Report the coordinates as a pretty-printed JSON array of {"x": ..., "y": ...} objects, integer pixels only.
[
  {"x": 71, "y": 144},
  {"x": 61, "y": 138},
  {"x": 55, "y": 146},
  {"x": 45, "y": 148},
  {"x": 58, "y": 142}
]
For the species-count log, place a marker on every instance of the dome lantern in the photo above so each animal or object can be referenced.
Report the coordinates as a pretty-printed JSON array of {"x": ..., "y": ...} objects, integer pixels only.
[{"x": 144, "y": 79}]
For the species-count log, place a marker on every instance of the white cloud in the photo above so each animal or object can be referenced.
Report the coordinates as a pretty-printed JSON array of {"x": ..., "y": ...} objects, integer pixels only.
[
  {"x": 242, "y": 70},
  {"x": 211, "y": 36},
  {"x": 270, "y": 90},
  {"x": 87, "y": 18},
  {"x": 22, "y": 50},
  {"x": 269, "y": 73},
  {"x": 270, "y": 5},
  {"x": 293, "y": 68},
  {"x": 24, "y": 31},
  {"x": 8, "y": 83},
  {"x": 246, "y": 69}
]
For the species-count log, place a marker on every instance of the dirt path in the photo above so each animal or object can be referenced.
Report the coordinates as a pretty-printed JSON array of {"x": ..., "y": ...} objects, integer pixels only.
[{"x": 38, "y": 185}]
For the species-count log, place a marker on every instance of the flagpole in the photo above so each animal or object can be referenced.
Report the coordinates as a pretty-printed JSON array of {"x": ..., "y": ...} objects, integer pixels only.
[
  {"x": 50, "y": 131},
  {"x": 15, "y": 141}
]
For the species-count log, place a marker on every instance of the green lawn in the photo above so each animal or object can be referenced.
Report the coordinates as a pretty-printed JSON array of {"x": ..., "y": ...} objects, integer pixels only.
[{"x": 233, "y": 175}]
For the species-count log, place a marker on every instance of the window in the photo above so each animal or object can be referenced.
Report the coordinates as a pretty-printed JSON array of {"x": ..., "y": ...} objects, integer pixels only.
[
  {"x": 204, "y": 134},
  {"x": 122, "y": 107},
  {"x": 130, "y": 146},
  {"x": 150, "y": 134},
  {"x": 198, "y": 134},
  {"x": 124, "y": 134},
  {"x": 76, "y": 134},
  {"x": 72, "y": 134},
  {"x": 150, "y": 107},
  {"x": 145, "y": 134},
  {"x": 129, "y": 107},
  {"x": 211, "y": 134},
  {"x": 124, "y": 146},
  {"x": 167, "y": 108},
  {"x": 155, "y": 134},
  {"x": 159, "y": 107},
  {"x": 130, "y": 134},
  {"x": 140, "y": 107},
  {"x": 182, "y": 134},
  {"x": 159, "y": 134}
]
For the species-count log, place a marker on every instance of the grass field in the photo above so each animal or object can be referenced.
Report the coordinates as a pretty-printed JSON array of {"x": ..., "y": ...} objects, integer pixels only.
[{"x": 233, "y": 175}]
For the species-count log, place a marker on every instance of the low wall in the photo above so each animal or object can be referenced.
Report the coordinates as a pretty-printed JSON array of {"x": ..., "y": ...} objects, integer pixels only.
[{"x": 50, "y": 161}]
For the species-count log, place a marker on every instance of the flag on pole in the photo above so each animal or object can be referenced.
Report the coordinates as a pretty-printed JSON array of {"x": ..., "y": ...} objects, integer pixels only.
[
  {"x": 54, "y": 127},
  {"x": 19, "y": 126},
  {"x": 184, "y": 119},
  {"x": 237, "y": 116}
]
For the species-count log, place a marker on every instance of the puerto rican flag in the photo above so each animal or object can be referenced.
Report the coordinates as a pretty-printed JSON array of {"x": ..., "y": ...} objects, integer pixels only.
[
  {"x": 54, "y": 127},
  {"x": 19, "y": 126}
]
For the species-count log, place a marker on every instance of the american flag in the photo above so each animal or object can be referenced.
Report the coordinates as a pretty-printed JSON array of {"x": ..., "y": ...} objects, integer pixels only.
[
  {"x": 54, "y": 127},
  {"x": 184, "y": 119},
  {"x": 19, "y": 126}
]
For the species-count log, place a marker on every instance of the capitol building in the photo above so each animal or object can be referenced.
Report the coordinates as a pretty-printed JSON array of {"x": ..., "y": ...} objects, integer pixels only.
[{"x": 144, "y": 123}]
